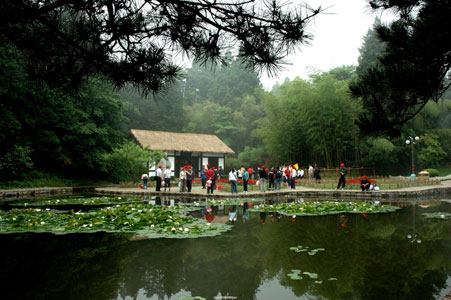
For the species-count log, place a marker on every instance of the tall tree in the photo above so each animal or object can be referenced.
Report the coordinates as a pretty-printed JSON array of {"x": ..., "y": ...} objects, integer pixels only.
[
  {"x": 46, "y": 130},
  {"x": 413, "y": 69},
  {"x": 128, "y": 41}
]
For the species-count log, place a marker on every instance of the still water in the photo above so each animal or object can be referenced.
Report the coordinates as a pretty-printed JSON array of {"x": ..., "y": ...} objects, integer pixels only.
[{"x": 399, "y": 255}]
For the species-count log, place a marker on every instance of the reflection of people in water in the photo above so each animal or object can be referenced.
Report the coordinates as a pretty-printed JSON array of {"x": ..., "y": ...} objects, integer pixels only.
[
  {"x": 245, "y": 211},
  {"x": 233, "y": 213},
  {"x": 209, "y": 216},
  {"x": 263, "y": 217}
]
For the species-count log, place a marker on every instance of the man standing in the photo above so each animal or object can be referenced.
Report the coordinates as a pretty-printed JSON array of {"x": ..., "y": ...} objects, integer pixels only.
[
  {"x": 158, "y": 175},
  {"x": 342, "y": 178},
  {"x": 167, "y": 178},
  {"x": 263, "y": 177},
  {"x": 210, "y": 174},
  {"x": 189, "y": 178}
]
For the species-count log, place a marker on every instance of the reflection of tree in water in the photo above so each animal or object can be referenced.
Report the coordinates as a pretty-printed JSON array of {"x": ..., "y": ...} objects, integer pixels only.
[
  {"x": 371, "y": 257},
  {"x": 76, "y": 266},
  {"x": 230, "y": 264}
]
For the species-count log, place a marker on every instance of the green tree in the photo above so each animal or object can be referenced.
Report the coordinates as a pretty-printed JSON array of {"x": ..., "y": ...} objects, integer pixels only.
[
  {"x": 430, "y": 152},
  {"x": 413, "y": 68},
  {"x": 53, "y": 131},
  {"x": 127, "y": 41},
  {"x": 128, "y": 161}
]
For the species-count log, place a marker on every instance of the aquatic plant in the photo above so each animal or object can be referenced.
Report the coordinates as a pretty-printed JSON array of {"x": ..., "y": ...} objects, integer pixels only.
[
  {"x": 313, "y": 208},
  {"x": 141, "y": 219},
  {"x": 91, "y": 201},
  {"x": 437, "y": 215}
]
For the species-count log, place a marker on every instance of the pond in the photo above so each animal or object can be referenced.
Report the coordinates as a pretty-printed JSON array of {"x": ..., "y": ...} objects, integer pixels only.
[{"x": 394, "y": 255}]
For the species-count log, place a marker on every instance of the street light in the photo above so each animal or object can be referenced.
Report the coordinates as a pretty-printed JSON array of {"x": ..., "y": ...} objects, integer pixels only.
[{"x": 411, "y": 140}]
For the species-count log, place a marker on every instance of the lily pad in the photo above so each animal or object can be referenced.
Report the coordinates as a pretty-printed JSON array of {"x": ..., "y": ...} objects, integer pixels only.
[
  {"x": 437, "y": 215},
  {"x": 332, "y": 279},
  {"x": 311, "y": 275},
  {"x": 147, "y": 220},
  {"x": 316, "y": 208},
  {"x": 319, "y": 281}
]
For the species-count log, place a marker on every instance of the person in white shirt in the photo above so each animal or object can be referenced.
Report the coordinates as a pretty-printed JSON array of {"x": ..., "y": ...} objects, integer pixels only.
[
  {"x": 158, "y": 175},
  {"x": 293, "y": 177},
  {"x": 310, "y": 173},
  {"x": 233, "y": 179},
  {"x": 167, "y": 178},
  {"x": 301, "y": 173}
]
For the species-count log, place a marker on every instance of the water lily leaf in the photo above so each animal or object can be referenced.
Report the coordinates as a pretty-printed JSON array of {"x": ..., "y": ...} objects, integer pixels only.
[
  {"x": 295, "y": 271},
  {"x": 319, "y": 281},
  {"x": 295, "y": 276},
  {"x": 437, "y": 215},
  {"x": 332, "y": 278}
]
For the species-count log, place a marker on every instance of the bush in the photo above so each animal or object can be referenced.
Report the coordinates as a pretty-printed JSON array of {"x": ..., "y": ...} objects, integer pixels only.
[{"x": 433, "y": 172}]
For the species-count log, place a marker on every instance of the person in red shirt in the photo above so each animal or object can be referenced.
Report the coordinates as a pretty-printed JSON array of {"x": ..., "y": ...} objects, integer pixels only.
[
  {"x": 251, "y": 173},
  {"x": 210, "y": 174}
]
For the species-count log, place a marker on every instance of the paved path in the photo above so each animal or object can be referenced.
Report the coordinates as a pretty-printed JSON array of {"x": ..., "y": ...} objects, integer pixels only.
[{"x": 432, "y": 191}]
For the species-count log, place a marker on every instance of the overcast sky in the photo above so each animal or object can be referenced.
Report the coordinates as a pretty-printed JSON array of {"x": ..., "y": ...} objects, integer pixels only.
[{"x": 338, "y": 35}]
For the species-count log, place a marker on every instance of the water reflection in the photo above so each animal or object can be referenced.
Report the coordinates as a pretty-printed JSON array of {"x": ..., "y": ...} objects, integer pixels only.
[{"x": 368, "y": 254}]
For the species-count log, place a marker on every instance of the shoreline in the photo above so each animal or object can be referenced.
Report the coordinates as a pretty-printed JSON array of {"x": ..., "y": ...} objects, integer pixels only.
[{"x": 442, "y": 190}]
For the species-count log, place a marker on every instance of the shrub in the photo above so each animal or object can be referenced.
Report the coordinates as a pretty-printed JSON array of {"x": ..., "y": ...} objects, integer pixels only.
[{"x": 433, "y": 172}]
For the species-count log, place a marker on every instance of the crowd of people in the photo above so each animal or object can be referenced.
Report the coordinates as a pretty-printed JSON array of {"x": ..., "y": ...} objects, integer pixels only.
[{"x": 268, "y": 179}]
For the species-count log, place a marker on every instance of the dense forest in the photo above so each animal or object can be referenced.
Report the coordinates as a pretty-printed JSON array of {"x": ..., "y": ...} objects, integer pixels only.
[{"x": 48, "y": 129}]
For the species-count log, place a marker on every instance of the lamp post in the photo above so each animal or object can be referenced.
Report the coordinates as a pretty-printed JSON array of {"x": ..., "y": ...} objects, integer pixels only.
[{"x": 411, "y": 140}]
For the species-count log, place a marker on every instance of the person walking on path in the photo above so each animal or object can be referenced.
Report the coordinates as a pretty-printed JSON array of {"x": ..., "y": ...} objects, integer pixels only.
[
  {"x": 233, "y": 179},
  {"x": 158, "y": 176},
  {"x": 209, "y": 176},
  {"x": 167, "y": 178},
  {"x": 189, "y": 177},
  {"x": 342, "y": 178},
  {"x": 263, "y": 177},
  {"x": 245, "y": 180}
]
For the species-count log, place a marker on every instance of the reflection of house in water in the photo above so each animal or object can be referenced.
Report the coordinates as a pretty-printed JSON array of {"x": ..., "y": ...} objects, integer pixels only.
[{"x": 184, "y": 149}]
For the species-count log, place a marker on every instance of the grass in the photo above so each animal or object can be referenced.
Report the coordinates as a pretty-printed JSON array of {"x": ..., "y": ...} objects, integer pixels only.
[
  {"x": 445, "y": 170},
  {"x": 48, "y": 181},
  {"x": 384, "y": 183}
]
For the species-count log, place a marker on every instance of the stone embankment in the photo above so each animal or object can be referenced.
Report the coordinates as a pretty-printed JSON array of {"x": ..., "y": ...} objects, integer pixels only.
[
  {"x": 34, "y": 192},
  {"x": 430, "y": 192}
]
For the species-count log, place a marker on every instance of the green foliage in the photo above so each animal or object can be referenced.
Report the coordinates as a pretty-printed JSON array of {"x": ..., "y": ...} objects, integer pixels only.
[
  {"x": 127, "y": 42},
  {"x": 430, "y": 152},
  {"x": 16, "y": 162},
  {"x": 128, "y": 161},
  {"x": 433, "y": 172},
  {"x": 143, "y": 219},
  {"x": 410, "y": 69},
  {"x": 311, "y": 121},
  {"x": 313, "y": 208},
  {"x": 46, "y": 130},
  {"x": 379, "y": 152}
]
